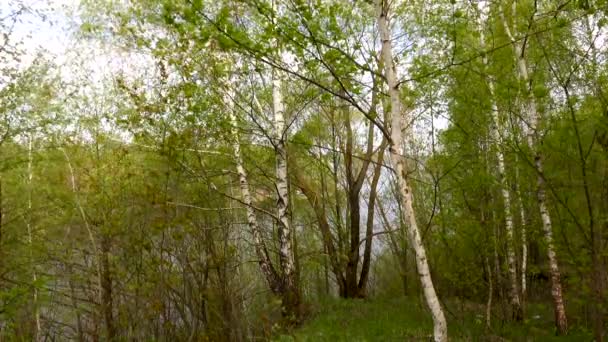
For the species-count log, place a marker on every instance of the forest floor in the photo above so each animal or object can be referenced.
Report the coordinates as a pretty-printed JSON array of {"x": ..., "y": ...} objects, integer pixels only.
[{"x": 405, "y": 319}]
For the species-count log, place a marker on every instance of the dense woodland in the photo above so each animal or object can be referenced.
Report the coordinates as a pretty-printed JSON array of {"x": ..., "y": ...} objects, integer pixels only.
[{"x": 247, "y": 162}]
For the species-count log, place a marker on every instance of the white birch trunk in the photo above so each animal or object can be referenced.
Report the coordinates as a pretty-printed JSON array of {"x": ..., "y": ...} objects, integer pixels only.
[
  {"x": 286, "y": 257},
  {"x": 531, "y": 114},
  {"x": 524, "y": 238},
  {"x": 524, "y": 252},
  {"x": 496, "y": 137},
  {"x": 398, "y": 128},
  {"x": 286, "y": 252},
  {"x": 263, "y": 258}
]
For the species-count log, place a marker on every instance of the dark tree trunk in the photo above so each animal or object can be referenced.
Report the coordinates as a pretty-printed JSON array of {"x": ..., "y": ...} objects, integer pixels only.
[
  {"x": 371, "y": 206},
  {"x": 106, "y": 285}
]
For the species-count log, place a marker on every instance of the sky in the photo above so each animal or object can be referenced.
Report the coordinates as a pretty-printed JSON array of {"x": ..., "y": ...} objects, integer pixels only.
[
  {"x": 47, "y": 25},
  {"x": 51, "y": 27}
]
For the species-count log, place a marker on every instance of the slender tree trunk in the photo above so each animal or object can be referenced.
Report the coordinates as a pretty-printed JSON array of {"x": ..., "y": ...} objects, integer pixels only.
[
  {"x": 530, "y": 112},
  {"x": 338, "y": 207},
  {"x": 524, "y": 239},
  {"x": 496, "y": 137},
  {"x": 355, "y": 181},
  {"x": 524, "y": 259},
  {"x": 514, "y": 297},
  {"x": 397, "y": 152},
  {"x": 291, "y": 293},
  {"x": 399, "y": 251},
  {"x": 497, "y": 272},
  {"x": 294, "y": 236},
  {"x": 561, "y": 321},
  {"x": 264, "y": 260},
  {"x": 305, "y": 186},
  {"x": 106, "y": 285},
  {"x": 291, "y": 296},
  {"x": 353, "y": 209},
  {"x": 353, "y": 250},
  {"x": 486, "y": 259},
  {"x": 369, "y": 231},
  {"x": 325, "y": 249},
  {"x": 490, "y": 292}
]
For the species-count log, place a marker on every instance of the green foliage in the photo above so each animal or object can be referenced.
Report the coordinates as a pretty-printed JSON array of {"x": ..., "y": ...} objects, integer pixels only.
[{"x": 128, "y": 209}]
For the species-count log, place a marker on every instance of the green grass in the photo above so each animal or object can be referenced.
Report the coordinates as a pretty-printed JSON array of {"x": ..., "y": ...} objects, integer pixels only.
[{"x": 405, "y": 319}]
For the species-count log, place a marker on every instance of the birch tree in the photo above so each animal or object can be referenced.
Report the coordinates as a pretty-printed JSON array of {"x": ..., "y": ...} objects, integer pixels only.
[
  {"x": 399, "y": 134},
  {"x": 291, "y": 296},
  {"x": 496, "y": 136},
  {"x": 533, "y": 118},
  {"x": 266, "y": 266}
]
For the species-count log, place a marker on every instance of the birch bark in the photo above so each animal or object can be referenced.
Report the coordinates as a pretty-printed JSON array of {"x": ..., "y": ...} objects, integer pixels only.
[
  {"x": 496, "y": 137},
  {"x": 399, "y": 123},
  {"x": 524, "y": 237},
  {"x": 261, "y": 252},
  {"x": 532, "y": 115},
  {"x": 286, "y": 256}
]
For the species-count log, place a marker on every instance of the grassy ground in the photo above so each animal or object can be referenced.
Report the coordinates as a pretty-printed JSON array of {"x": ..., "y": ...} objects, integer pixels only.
[{"x": 405, "y": 319}]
